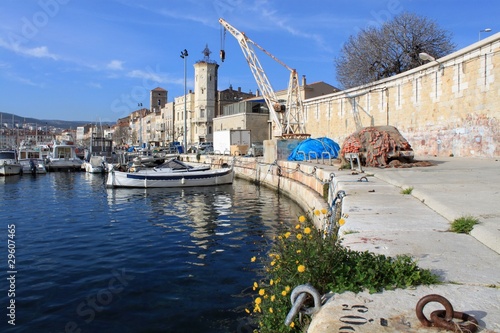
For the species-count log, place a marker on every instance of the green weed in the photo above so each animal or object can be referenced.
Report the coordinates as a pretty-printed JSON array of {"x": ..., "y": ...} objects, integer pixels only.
[
  {"x": 464, "y": 224},
  {"x": 407, "y": 190}
]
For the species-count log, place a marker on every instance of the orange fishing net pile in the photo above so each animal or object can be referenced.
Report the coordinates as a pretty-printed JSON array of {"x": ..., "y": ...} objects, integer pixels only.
[{"x": 375, "y": 145}]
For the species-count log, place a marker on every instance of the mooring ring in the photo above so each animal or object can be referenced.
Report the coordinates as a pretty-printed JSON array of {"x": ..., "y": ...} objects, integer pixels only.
[
  {"x": 449, "y": 314},
  {"x": 469, "y": 324}
]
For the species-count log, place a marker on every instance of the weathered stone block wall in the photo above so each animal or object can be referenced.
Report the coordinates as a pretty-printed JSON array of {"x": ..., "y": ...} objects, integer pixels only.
[{"x": 446, "y": 107}]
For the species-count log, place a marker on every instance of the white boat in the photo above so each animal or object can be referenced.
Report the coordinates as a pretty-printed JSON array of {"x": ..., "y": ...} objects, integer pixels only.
[
  {"x": 34, "y": 166},
  {"x": 32, "y": 159},
  {"x": 96, "y": 164},
  {"x": 9, "y": 165},
  {"x": 63, "y": 158},
  {"x": 172, "y": 173}
]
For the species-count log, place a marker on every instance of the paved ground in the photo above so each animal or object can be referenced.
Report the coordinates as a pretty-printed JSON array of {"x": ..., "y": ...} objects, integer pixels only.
[{"x": 383, "y": 220}]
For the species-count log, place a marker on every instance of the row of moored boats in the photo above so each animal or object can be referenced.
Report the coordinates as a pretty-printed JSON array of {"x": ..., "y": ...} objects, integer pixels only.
[{"x": 167, "y": 172}]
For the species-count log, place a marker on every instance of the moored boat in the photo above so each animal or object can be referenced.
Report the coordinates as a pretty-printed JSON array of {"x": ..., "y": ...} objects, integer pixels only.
[
  {"x": 172, "y": 173},
  {"x": 63, "y": 157},
  {"x": 9, "y": 164},
  {"x": 32, "y": 159},
  {"x": 96, "y": 164}
]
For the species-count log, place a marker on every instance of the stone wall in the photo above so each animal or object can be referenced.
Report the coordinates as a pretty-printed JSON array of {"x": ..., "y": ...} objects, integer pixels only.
[{"x": 450, "y": 106}]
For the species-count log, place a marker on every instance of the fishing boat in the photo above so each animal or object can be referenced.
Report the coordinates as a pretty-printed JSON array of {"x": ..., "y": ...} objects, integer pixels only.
[
  {"x": 172, "y": 173},
  {"x": 9, "y": 164}
]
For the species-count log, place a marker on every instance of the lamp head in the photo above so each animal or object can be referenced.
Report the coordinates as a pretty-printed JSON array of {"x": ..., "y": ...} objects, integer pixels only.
[{"x": 425, "y": 56}]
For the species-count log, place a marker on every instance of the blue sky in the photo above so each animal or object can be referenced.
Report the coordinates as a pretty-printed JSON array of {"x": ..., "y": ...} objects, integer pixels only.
[{"x": 95, "y": 60}]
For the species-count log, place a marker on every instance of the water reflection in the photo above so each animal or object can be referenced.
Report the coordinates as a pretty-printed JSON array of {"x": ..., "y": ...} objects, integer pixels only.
[{"x": 188, "y": 249}]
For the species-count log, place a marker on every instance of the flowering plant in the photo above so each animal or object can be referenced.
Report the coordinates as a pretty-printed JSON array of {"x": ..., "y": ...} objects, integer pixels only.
[{"x": 306, "y": 255}]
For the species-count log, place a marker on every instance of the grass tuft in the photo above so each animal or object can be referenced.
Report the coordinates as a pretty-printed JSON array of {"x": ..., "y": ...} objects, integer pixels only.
[
  {"x": 464, "y": 224},
  {"x": 407, "y": 190}
]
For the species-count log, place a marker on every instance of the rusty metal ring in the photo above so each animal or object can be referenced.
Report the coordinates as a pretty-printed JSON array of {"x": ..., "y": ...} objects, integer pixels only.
[
  {"x": 469, "y": 323},
  {"x": 433, "y": 298}
]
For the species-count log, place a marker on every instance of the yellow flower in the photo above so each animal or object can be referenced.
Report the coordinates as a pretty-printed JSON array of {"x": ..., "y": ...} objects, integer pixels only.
[
  {"x": 302, "y": 219},
  {"x": 287, "y": 234},
  {"x": 283, "y": 293},
  {"x": 262, "y": 292},
  {"x": 316, "y": 212},
  {"x": 271, "y": 282},
  {"x": 299, "y": 236},
  {"x": 287, "y": 288},
  {"x": 307, "y": 230},
  {"x": 297, "y": 226},
  {"x": 273, "y": 263},
  {"x": 271, "y": 310},
  {"x": 324, "y": 211},
  {"x": 247, "y": 311},
  {"x": 253, "y": 259},
  {"x": 258, "y": 300},
  {"x": 255, "y": 285},
  {"x": 256, "y": 309},
  {"x": 292, "y": 325},
  {"x": 301, "y": 268},
  {"x": 273, "y": 297},
  {"x": 341, "y": 222},
  {"x": 299, "y": 251}
]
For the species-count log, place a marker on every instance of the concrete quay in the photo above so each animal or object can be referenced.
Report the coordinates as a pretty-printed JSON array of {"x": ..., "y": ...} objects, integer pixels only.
[{"x": 383, "y": 220}]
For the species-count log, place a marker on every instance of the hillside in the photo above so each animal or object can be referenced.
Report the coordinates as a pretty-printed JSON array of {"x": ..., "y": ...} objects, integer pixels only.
[{"x": 10, "y": 119}]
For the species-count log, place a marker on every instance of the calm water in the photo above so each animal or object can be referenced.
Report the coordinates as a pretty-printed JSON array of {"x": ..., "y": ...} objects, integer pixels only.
[{"x": 91, "y": 259}]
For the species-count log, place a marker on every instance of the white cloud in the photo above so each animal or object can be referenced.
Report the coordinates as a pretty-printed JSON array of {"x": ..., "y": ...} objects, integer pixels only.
[
  {"x": 37, "y": 52},
  {"x": 140, "y": 74},
  {"x": 115, "y": 65}
]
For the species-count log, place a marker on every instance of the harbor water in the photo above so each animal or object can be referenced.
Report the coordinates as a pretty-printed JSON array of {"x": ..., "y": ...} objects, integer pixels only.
[{"x": 92, "y": 259}]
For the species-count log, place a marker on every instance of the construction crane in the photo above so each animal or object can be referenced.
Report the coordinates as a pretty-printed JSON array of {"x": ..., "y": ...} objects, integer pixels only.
[{"x": 288, "y": 119}]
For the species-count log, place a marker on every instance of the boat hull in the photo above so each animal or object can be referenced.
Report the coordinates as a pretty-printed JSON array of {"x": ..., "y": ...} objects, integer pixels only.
[
  {"x": 153, "y": 179},
  {"x": 10, "y": 169}
]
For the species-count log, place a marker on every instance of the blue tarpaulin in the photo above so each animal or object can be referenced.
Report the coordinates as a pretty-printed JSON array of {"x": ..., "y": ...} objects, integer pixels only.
[{"x": 317, "y": 146}]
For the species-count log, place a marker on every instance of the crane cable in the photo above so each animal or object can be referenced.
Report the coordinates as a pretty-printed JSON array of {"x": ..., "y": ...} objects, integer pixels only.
[{"x": 222, "y": 52}]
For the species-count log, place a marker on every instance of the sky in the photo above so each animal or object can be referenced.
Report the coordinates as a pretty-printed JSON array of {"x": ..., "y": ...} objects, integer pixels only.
[{"x": 97, "y": 60}]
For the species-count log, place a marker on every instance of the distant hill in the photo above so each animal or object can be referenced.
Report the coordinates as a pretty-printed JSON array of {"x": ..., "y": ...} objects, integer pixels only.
[{"x": 10, "y": 118}]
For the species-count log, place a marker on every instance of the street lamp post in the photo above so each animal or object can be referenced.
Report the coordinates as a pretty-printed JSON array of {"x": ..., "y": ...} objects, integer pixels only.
[
  {"x": 184, "y": 55},
  {"x": 484, "y": 30}
]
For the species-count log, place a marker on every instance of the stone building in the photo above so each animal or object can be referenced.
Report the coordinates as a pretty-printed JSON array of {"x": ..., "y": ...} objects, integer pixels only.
[{"x": 448, "y": 107}]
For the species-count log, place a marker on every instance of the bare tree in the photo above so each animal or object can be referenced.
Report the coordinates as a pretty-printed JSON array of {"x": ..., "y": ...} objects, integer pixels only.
[
  {"x": 377, "y": 53},
  {"x": 121, "y": 135}
]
